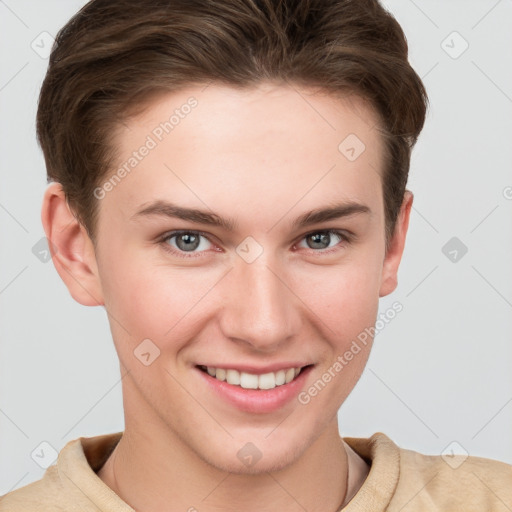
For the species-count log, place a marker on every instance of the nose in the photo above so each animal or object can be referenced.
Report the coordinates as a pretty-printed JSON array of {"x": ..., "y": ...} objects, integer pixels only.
[{"x": 260, "y": 308}]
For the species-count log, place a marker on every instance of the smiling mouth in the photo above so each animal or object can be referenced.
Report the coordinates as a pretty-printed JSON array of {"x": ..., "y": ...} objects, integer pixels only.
[{"x": 246, "y": 380}]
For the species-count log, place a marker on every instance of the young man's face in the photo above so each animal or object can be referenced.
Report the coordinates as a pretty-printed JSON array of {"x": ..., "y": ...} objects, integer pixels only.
[{"x": 262, "y": 295}]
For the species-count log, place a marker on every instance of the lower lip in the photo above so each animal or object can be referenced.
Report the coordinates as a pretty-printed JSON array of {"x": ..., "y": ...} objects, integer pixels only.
[{"x": 257, "y": 400}]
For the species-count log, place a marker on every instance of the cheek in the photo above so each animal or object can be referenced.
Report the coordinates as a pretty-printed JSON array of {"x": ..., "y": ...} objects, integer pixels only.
[
  {"x": 153, "y": 301},
  {"x": 345, "y": 296},
  {"x": 347, "y": 306}
]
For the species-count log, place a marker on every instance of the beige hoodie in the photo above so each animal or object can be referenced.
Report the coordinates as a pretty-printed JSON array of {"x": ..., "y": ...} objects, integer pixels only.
[{"x": 399, "y": 480}]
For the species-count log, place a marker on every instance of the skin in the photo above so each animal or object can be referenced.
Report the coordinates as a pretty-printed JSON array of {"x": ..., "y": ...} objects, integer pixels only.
[{"x": 263, "y": 157}]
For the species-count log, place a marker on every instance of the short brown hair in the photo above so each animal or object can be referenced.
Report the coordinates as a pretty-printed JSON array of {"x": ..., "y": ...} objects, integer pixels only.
[{"x": 114, "y": 54}]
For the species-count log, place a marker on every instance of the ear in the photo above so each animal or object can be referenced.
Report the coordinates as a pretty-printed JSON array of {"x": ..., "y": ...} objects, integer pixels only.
[
  {"x": 395, "y": 250},
  {"x": 71, "y": 248}
]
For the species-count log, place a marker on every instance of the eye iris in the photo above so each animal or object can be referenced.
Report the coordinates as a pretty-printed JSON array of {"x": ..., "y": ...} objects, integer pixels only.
[
  {"x": 320, "y": 238},
  {"x": 187, "y": 241}
]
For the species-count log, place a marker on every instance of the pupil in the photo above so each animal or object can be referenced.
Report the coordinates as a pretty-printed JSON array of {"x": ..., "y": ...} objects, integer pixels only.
[
  {"x": 187, "y": 241},
  {"x": 320, "y": 238}
]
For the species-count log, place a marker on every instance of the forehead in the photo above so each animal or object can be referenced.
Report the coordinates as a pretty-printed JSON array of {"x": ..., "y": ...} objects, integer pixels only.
[
  {"x": 260, "y": 146},
  {"x": 256, "y": 112}
]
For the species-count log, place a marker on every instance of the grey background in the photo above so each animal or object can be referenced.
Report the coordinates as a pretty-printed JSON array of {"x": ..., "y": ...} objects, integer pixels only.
[{"x": 438, "y": 373}]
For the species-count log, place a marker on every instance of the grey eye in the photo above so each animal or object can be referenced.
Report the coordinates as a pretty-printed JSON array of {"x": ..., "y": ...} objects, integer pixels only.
[
  {"x": 323, "y": 239},
  {"x": 187, "y": 241}
]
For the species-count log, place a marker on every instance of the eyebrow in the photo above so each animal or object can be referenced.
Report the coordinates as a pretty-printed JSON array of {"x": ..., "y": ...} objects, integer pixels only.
[{"x": 166, "y": 209}]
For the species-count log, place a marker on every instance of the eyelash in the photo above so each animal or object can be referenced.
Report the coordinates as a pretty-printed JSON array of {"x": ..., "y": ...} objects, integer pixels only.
[{"x": 345, "y": 237}]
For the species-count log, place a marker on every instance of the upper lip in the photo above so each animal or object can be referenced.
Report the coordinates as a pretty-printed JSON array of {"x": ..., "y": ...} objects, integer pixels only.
[{"x": 258, "y": 370}]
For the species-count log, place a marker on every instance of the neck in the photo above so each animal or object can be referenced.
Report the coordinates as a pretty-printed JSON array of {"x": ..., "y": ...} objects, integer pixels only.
[{"x": 151, "y": 474}]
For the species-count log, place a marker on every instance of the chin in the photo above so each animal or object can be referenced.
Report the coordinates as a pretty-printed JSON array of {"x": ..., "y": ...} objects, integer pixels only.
[
  {"x": 248, "y": 459},
  {"x": 264, "y": 465}
]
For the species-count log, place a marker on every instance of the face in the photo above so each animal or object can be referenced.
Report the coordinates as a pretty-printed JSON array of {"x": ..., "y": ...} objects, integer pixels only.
[{"x": 255, "y": 285}]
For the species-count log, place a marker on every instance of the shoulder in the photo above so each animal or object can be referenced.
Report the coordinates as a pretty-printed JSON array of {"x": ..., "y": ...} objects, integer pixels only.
[
  {"x": 403, "y": 480},
  {"x": 452, "y": 482},
  {"x": 40, "y": 496},
  {"x": 72, "y": 483},
  {"x": 67, "y": 484}
]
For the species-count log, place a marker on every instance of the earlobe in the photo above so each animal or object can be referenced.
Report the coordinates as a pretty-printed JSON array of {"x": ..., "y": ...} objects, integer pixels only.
[
  {"x": 71, "y": 248},
  {"x": 396, "y": 247}
]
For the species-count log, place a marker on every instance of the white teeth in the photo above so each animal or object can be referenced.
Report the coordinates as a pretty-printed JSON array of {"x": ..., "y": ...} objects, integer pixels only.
[
  {"x": 248, "y": 381},
  {"x": 267, "y": 381},
  {"x": 290, "y": 374},
  {"x": 251, "y": 381},
  {"x": 233, "y": 377},
  {"x": 280, "y": 377}
]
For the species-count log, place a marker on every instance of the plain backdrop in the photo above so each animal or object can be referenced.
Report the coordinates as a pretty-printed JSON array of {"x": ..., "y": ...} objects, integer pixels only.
[{"x": 438, "y": 378}]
